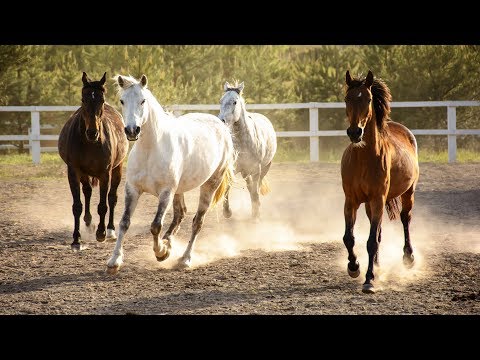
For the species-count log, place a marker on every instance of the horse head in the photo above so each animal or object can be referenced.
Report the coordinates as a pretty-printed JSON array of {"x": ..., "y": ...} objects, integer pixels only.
[
  {"x": 93, "y": 100},
  {"x": 132, "y": 99},
  {"x": 231, "y": 103},
  {"x": 358, "y": 101}
]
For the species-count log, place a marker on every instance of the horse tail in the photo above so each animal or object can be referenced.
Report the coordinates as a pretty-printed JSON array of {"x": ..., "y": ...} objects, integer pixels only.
[
  {"x": 93, "y": 181},
  {"x": 227, "y": 180},
  {"x": 264, "y": 186},
  {"x": 393, "y": 208}
]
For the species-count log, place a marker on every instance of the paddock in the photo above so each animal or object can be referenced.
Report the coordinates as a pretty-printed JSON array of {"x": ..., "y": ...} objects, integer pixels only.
[{"x": 292, "y": 262}]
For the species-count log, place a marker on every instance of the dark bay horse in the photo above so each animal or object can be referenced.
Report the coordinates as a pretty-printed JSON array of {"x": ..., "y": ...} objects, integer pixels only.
[
  {"x": 379, "y": 168},
  {"x": 93, "y": 145}
]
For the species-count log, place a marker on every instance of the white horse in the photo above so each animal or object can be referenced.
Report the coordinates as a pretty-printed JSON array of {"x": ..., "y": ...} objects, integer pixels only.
[
  {"x": 169, "y": 158},
  {"x": 255, "y": 141}
]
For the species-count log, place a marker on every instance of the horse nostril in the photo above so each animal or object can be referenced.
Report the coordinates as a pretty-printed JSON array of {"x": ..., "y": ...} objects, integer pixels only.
[
  {"x": 359, "y": 132},
  {"x": 92, "y": 133},
  {"x": 137, "y": 130}
]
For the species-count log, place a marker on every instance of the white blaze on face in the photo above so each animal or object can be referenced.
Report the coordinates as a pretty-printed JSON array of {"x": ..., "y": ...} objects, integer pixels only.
[
  {"x": 93, "y": 94},
  {"x": 359, "y": 94},
  {"x": 132, "y": 106}
]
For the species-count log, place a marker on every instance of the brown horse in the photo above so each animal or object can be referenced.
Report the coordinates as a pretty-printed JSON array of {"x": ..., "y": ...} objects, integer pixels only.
[
  {"x": 378, "y": 168},
  {"x": 93, "y": 145}
]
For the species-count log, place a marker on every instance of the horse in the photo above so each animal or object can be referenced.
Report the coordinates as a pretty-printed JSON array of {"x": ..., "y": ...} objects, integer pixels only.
[
  {"x": 254, "y": 139},
  {"x": 170, "y": 156},
  {"x": 379, "y": 168},
  {"x": 93, "y": 145}
]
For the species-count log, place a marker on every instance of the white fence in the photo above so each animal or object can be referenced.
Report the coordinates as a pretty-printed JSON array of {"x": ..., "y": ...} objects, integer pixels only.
[{"x": 313, "y": 133}]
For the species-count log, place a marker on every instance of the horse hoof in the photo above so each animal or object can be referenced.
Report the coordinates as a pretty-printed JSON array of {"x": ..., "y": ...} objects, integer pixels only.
[
  {"x": 76, "y": 247},
  {"x": 112, "y": 270},
  {"x": 227, "y": 213},
  {"x": 100, "y": 235},
  {"x": 167, "y": 245},
  {"x": 111, "y": 237},
  {"x": 163, "y": 257},
  {"x": 183, "y": 264},
  {"x": 368, "y": 289},
  {"x": 354, "y": 273},
  {"x": 408, "y": 260}
]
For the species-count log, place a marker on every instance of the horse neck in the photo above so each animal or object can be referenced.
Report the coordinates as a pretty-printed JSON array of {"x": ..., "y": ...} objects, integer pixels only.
[
  {"x": 244, "y": 123},
  {"x": 373, "y": 138},
  {"x": 156, "y": 124}
]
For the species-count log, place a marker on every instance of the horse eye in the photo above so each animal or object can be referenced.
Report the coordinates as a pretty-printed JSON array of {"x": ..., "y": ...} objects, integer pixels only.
[
  {"x": 234, "y": 103},
  {"x": 121, "y": 102},
  {"x": 143, "y": 102}
]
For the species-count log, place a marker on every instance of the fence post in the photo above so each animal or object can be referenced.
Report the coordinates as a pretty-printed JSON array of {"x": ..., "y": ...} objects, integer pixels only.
[
  {"x": 35, "y": 137},
  {"x": 314, "y": 139},
  {"x": 452, "y": 138}
]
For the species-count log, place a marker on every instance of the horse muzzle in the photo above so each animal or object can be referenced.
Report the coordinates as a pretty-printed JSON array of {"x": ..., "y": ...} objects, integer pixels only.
[
  {"x": 132, "y": 132},
  {"x": 355, "y": 134},
  {"x": 92, "y": 135}
]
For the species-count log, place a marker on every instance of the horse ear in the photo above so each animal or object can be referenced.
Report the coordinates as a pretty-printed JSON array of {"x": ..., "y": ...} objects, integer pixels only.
[
  {"x": 144, "y": 80},
  {"x": 369, "y": 79},
  {"x": 120, "y": 81},
  {"x": 348, "y": 78},
  {"x": 226, "y": 86},
  {"x": 241, "y": 86},
  {"x": 103, "y": 79},
  {"x": 85, "y": 79}
]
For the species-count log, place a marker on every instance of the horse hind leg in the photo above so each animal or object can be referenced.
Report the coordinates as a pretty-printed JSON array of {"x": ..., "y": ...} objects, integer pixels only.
[
  {"x": 161, "y": 249},
  {"x": 87, "y": 193},
  {"x": 253, "y": 185},
  {"x": 179, "y": 211},
  {"x": 112, "y": 202},
  {"x": 131, "y": 200},
  {"x": 207, "y": 191},
  {"x": 227, "y": 212},
  {"x": 376, "y": 208},
  {"x": 406, "y": 216},
  {"x": 376, "y": 261},
  {"x": 102, "y": 206}
]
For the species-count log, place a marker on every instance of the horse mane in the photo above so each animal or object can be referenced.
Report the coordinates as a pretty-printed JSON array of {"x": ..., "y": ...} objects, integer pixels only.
[{"x": 381, "y": 99}]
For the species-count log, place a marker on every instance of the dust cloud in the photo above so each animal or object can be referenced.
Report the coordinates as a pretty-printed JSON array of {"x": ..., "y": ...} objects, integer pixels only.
[{"x": 305, "y": 207}]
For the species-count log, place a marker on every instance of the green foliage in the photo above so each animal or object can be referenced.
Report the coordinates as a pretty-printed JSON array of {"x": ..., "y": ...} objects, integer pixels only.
[{"x": 195, "y": 74}]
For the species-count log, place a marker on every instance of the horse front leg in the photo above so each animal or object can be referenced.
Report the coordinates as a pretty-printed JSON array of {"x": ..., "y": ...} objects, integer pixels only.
[
  {"x": 350, "y": 213},
  {"x": 112, "y": 202},
  {"x": 77, "y": 207},
  {"x": 102, "y": 206},
  {"x": 131, "y": 200},
  {"x": 376, "y": 211},
  {"x": 406, "y": 216},
  {"x": 161, "y": 249}
]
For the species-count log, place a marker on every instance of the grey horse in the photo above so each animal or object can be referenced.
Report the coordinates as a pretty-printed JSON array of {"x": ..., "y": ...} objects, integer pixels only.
[{"x": 254, "y": 140}]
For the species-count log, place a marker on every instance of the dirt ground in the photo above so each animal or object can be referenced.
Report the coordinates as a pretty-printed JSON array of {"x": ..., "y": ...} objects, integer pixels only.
[{"x": 292, "y": 262}]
